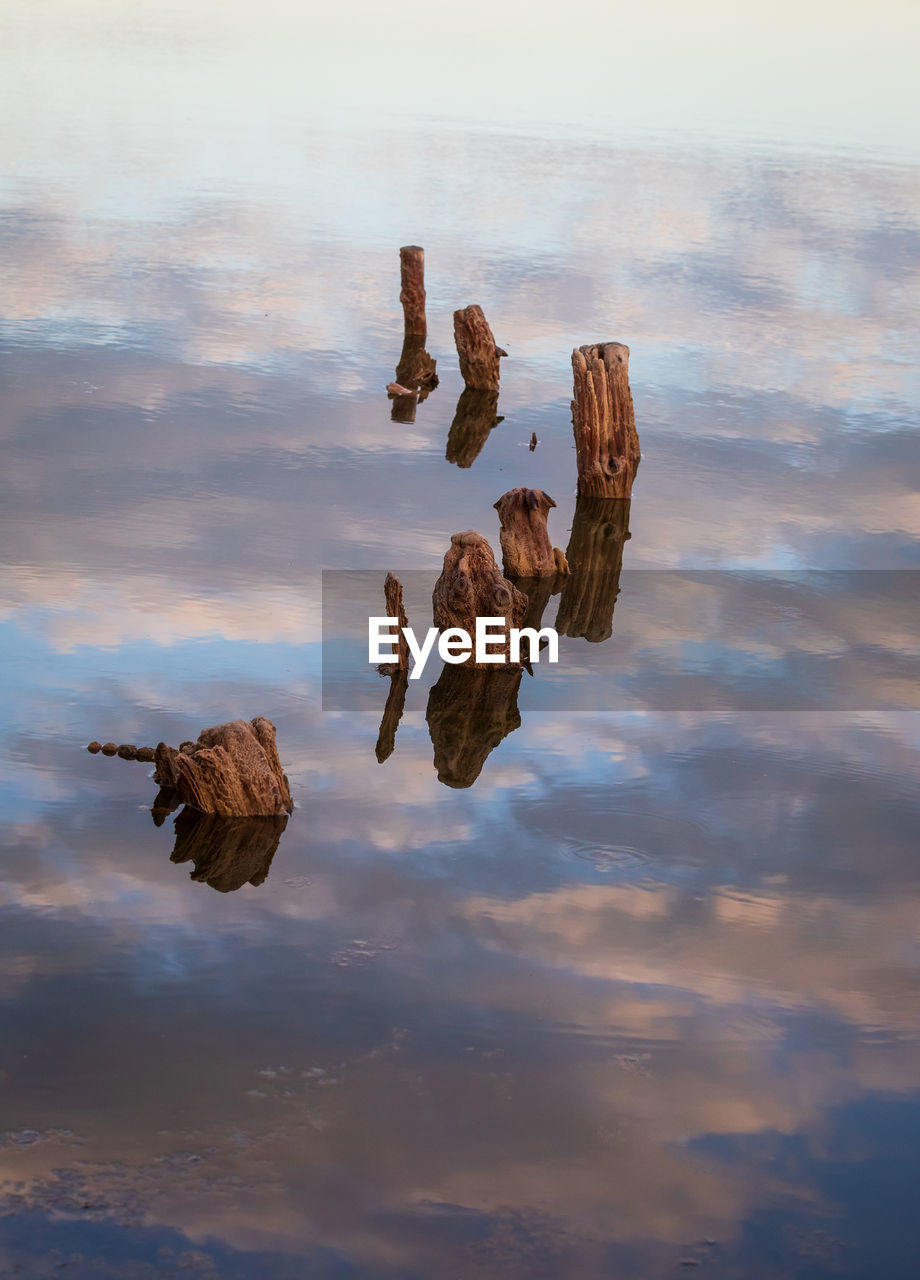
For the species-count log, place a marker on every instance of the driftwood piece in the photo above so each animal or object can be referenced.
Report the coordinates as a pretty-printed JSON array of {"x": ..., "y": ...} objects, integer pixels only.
[
  {"x": 526, "y": 549},
  {"x": 479, "y": 355},
  {"x": 227, "y": 852},
  {"x": 233, "y": 769},
  {"x": 469, "y": 712},
  {"x": 595, "y": 553},
  {"x": 475, "y": 417},
  {"x": 412, "y": 289},
  {"x": 471, "y": 586},
  {"x": 606, "y": 440}
]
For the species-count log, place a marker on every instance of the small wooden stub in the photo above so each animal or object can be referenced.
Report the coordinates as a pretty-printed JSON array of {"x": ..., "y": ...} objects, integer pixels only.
[
  {"x": 526, "y": 549},
  {"x": 606, "y": 439},
  {"x": 476, "y": 347}
]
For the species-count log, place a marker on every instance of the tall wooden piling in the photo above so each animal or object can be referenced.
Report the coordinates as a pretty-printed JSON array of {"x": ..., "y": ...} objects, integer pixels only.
[
  {"x": 412, "y": 289},
  {"x": 604, "y": 421}
]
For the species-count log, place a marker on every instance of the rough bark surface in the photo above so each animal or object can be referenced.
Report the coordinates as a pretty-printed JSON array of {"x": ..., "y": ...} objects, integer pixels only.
[
  {"x": 475, "y": 417},
  {"x": 227, "y": 852},
  {"x": 469, "y": 712},
  {"x": 393, "y": 603},
  {"x": 595, "y": 552},
  {"x": 412, "y": 289},
  {"x": 471, "y": 586},
  {"x": 479, "y": 356},
  {"x": 526, "y": 549},
  {"x": 606, "y": 440},
  {"x": 233, "y": 769}
]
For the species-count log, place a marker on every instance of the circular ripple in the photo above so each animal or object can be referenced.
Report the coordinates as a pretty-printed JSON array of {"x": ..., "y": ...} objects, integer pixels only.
[{"x": 610, "y": 857}]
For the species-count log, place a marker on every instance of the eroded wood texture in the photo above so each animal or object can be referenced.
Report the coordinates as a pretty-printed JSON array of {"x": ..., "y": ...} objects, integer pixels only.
[
  {"x": 476, "y": 347},
  {"x": 526, "y": 549},
  {"x": 233, "y": 769},
  {"x": 595, "y": 554},
  {"x": 470, "y": 710},
  {"x": 227, "y": 852},
  {"x": 393, "y": 604},
  {"x": 471, "y": 586},
  {"x": 412, "y": 289},
  {"x": 606, "y": 440}
]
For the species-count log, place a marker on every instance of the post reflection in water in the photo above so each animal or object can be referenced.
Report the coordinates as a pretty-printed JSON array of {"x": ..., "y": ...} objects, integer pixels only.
[
  {"x": 227, "y": 852},
  {"x": 600, "y": 529},
  {"x": 470, "y": 711},
  {"x": 476, "y": 415}
]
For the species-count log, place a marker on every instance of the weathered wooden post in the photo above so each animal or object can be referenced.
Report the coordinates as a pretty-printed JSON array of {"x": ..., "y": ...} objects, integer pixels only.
[
  {"x": 595, "y": 555},
  {"x": 470, "y": 711},
  {"x": 606, "y": 440},
  {"x": 476, "y": 347},
  {"x": 475, "y": 417},
  {"x": 526, "y": 549},
  {"x": 412, "y": 290},
  {"x": 471, "y": 586},
  {"x": 398, "y": 672}
]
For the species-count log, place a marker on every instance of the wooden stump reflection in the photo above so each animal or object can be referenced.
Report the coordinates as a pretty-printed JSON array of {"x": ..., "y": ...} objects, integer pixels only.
[
  {"x": 470, "y": 711},
  {"x": 227, "y": 852},
  {"x": 595, "y": 555},
  {"x": 475, "y": 417}
]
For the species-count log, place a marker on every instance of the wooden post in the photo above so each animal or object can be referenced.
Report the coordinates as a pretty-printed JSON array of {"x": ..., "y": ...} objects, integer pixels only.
[
  {"x": 469, "y": 712},
  {"x": 475, "y": 417},
  {"x": 595, "y": 554},
  {"x": 606, "y": 440},
  {"x": 470, "y": 587},
  {"x": 526, "y": 549},
  {"x": 412, "y": 289},
  {"x": 479, "y": 356}
]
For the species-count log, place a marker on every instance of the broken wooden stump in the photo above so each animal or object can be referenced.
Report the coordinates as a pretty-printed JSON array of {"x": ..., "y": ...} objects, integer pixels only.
[
  {"x": 398, "y": 671},
  {"x": 227, "y": 852},
  {"x": 526, "y": 549},
  {"x": 476, "y": 347},
  {"x": 606, "y": 440},
  {"x": 595, "y": 554},
  {"x": 233, "y": 769},
  {"x": 470, "y": 711},
  {"x": 412, "y": 289},
  {"x": 475, "y": 417},
  {"x": 471, "y": 586}
]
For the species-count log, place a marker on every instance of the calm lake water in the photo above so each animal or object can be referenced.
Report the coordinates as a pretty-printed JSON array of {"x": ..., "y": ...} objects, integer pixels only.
[{"x": 640, "y": 998}]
